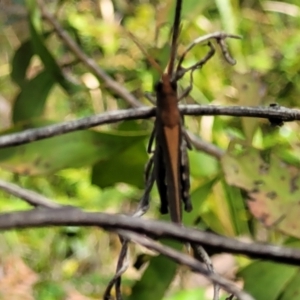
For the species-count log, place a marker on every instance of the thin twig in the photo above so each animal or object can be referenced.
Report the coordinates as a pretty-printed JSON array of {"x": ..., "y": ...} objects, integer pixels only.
[
  {"x": 219, "y": 37},
  {"x": 30, "y": 135},
  {"x": 187, "y": 260},
  {"x": 201, "y": 255},
  {"x": 109, "y": 82},
  {"x": 204, "y": 146},
  {"x": 29, "y": 196},
  {"x": 122, "y": 265}
]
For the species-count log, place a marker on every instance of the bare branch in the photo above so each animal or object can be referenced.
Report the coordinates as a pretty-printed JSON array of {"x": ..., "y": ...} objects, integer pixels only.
[
  {"x": 30, "y": 135},
  {"x": 29, "y": 196},
  {"x": 70, "y": 216},
  {"x": 204, "y": 146},
  {"x": 109, "y": 82},
  {"x": 269, "y": 112},
  {"x": 187, "y": 260}
]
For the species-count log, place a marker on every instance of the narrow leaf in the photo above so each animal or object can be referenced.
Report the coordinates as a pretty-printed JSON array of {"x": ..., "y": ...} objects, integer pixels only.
[
  {"x": 30, "y": 102},
  {"x": 72, "y": 150},
  {"x": 38, "y": 44}
]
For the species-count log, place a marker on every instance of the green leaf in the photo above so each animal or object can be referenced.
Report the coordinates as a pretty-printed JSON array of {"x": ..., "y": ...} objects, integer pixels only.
[
  {"x": 21, "y": 61},
  {"x": 190, "y": 10},
  {"x": 292, "y": 290},
  {"x": 193, "y": 294},
  {"x": 125, "y": 166},
  {"x": 31, "y": 100},
  {"x": 273, "y": 187},
  {"x": 202, "y": 164},
  {"x": 38, "y": 44},
  {"x": 229, "y": 14},
  {"x": 157, "y": 277},
  {"x": 49, "y": 290},
  {"x": 238, "y": 210},
  {"x": 198, "y": 196},
  {"x": 267, "y": 280},
  {"x": 218, "y": 207},
  {"x": 72, "y": 150},
  {"x": 250, "y": 93},
  {"x": 228, "y": 18},
  {"x": 219, "y": 217}
]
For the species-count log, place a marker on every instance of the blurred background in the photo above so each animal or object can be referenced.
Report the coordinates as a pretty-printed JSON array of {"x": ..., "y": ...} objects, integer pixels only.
[{"x": 43, "y": 82}]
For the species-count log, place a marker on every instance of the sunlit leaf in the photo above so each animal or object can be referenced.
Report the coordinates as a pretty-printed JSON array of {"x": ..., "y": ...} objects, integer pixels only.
[
  {"x": 292, "y": 289},
  {"x": 250, "y": 93},
  {"x": 273, "y": 188},
  {"x": 188, "y": 295}
]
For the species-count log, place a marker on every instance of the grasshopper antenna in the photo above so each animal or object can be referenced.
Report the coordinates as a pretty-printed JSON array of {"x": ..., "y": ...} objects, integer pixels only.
[
  {"x": 142, "y": 49},
  {"x": 176, "y": 30}
]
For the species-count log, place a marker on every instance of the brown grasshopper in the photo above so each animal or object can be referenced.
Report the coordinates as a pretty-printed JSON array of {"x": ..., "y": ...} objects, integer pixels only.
[
  {"x": 169, "y": 166},
  {"x": 170, "y": 159}
]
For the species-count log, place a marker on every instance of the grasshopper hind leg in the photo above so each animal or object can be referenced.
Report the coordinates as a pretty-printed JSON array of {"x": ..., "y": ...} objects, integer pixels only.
[
  {"x": 185, "y": 178},
  {"x": 160, "y": 176}
]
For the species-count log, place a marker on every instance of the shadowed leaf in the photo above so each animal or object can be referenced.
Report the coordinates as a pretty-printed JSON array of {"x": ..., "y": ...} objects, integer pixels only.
[
  {"x": 261, "y": 275},
  {"x": 72, "y": 150},
  {"x": 21, "y": 61},
  {"x": 157, "y": 277},
  {"x": 31, "y": 100},
  {"x": 126, "y": 166},
  {"x": 39, "y": 47}
]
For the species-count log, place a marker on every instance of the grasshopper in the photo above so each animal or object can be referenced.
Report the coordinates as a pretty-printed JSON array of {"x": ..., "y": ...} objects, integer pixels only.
[
  {"x": 169, "y": 166},
  {"x": 170, "y": 160}
]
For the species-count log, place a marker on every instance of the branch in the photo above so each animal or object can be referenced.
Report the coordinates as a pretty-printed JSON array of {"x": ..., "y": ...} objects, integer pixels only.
[
  {"x": 187, "y": 260},
  {"x": 30, "y": 135},
  {"x": 36, "y": 199},
  {"x": 109, "y": 82},
  {"x": 29, "y": 196},
  {"x": 269, "y": 112},
  {"x": 70, "y": 216},
  {"x": 204, "y": 146}
]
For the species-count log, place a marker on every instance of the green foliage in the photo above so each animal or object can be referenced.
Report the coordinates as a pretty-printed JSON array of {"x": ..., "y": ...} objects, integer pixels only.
[
  {"x": 282, "y": 278},
  {"x": 272, "y": 186},
  {"x": 157, "y": 277},
  {"x": 37, "y": 90},
  {"x": 87, "y": 147},
  {"x": 187, "y": 295},
  {"x": 40, "y": 49},
  {"x": 102, "y": 170}
]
